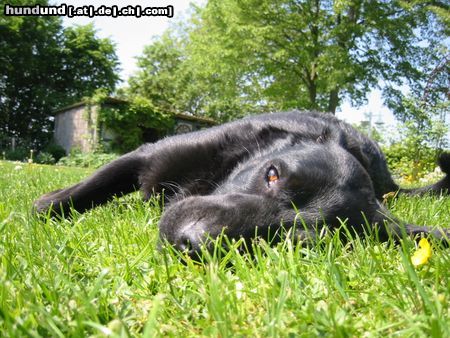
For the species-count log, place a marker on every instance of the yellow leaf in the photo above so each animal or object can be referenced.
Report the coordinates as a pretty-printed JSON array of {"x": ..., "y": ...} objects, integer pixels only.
[
  {"x": 389, "y": 196},
  {"x": 423, "y": 254}
]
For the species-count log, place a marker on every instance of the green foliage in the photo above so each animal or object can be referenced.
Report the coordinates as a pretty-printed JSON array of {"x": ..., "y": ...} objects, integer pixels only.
[
  {"x": 161, "y": 75},
  {"x": 86, "y": 160},
  {"x": 55, "y": 150},
  {"x": 406, "y": 162},
  {"x": 90, "y": 63},
  {"x": 18, "y": 154},
  {"x": 311, "y": 54},
  {"x": 239, "y": 57},
  {"x": 422, "y": 138},
  {"x": 43, "y": 67},
  {"x": 45, "y": 158},
  {"x": 168, "y": 77},
  {"x": 422, "y": 113},
  {"x": 128, "y": 120},
  {"x": 101, "y": 274},
  {"x": 50, "y": 155}
]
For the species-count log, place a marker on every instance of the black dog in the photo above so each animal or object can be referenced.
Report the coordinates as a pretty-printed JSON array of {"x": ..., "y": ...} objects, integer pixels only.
[{"x": 246, "y": 177}]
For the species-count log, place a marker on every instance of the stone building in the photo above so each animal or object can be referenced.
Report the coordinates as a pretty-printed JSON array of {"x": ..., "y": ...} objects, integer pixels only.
[{"x": 76, "y": 126}]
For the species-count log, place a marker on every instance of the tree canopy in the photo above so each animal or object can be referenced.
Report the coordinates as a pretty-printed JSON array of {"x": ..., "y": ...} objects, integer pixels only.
[
  {"x": 249, "y": 56},
  {"x": 161, "y": 76},
  {"x": 44, "y": 66},
  {"x": 233, "y": 58}
]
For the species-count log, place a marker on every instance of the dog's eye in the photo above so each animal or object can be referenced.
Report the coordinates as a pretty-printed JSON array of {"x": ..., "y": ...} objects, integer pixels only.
[{"x": 272, "y": 175}]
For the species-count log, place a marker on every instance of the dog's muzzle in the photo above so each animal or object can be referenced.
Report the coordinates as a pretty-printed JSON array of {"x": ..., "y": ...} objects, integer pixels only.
[{"x": 196, "y": 221}]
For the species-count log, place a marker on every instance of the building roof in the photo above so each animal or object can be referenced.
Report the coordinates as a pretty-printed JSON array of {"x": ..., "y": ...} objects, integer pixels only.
[
  {"x": 108, "y": 100},
  {"x": 112, "y": 100},
  {"x": 188, "y": 117}
]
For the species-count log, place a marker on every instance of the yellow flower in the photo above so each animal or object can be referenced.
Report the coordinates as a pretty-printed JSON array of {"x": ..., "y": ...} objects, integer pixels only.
[{"x": 423, "y": 254}]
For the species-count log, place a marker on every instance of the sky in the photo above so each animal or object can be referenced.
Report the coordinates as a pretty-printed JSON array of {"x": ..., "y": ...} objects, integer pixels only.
[{"x": 131, "y": 34}]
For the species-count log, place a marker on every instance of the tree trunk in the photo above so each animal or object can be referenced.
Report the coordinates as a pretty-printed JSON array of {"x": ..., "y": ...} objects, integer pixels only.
[
  {"x": 333, "y": 101},
  {"x": 312, "y": 89}
]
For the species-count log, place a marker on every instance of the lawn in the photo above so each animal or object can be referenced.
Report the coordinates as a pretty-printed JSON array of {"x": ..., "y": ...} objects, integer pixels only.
[{"x": 101, "y": 274}]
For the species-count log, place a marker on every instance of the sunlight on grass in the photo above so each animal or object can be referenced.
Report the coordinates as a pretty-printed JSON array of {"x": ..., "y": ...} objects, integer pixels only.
[{"x": 101, "y": 274}]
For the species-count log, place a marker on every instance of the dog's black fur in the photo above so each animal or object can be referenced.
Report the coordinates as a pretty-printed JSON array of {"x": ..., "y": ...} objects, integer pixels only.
[{"x": 256, "y": 173}]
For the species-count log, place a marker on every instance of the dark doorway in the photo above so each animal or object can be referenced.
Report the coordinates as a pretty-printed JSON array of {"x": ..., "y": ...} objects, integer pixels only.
[{"x": 150, "y": 134}]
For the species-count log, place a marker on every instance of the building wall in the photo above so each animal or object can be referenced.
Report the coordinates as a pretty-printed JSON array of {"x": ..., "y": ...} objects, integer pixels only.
[{"x": 75, "y": 128}]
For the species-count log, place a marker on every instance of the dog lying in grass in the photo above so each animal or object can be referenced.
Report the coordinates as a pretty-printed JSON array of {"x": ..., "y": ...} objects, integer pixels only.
[{"x": 248, "y": 177}]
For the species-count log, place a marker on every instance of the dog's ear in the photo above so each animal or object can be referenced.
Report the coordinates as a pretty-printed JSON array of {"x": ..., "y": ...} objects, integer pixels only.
[
  {"x": 352, "y": 145},
  {"x": 346, "y": 141}
]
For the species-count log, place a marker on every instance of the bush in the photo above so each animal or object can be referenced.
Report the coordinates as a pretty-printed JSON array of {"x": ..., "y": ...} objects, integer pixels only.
[
  {"x": 19, "y": 154},
  {"x": 86, "y": 160},
  {"x": 55, "y": 150},
  {"x": 45, "y": 158},
  {"x": 49, "y": 155},
  {"x": 408, "y": 164}
]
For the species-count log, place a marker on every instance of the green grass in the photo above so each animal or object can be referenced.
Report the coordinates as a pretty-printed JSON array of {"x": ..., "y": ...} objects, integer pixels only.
[{"x": 101, "y": 274}]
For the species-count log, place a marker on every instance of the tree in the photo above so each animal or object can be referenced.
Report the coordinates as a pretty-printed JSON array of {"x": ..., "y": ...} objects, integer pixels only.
[
  {"x": 173, "y": 83},
  {"x": 89, "y": 63},
  {"x": 160, "y": 74},
  {"x": 43, "y": 67},
  {"x": 311, "y": 54}
]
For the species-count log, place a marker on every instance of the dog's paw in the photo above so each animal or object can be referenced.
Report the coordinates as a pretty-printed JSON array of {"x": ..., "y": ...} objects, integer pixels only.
[
  {"x": 46, "y": 203},
  {"x": 42, "y": 205}
]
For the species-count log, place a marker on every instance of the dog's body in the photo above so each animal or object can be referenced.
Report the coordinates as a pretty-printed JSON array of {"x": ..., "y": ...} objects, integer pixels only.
[{"x": 256, "y": 173}]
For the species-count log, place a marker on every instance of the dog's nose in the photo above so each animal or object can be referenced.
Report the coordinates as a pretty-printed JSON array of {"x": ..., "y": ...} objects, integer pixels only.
[
  {"x": 190, "y": 239},
  {"x": 188, "y": 243}
]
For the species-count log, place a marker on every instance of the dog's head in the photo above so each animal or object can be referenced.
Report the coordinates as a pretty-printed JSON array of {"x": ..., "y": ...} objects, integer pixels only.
[{"x": 307, "y": 184}]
